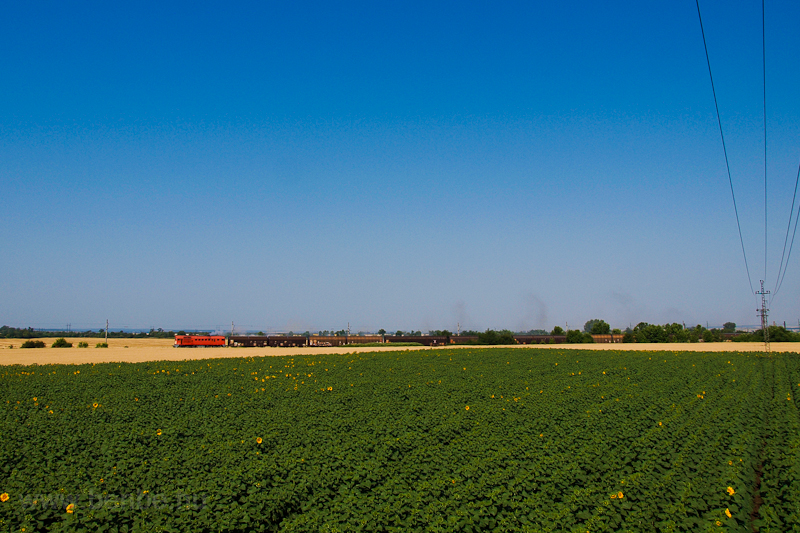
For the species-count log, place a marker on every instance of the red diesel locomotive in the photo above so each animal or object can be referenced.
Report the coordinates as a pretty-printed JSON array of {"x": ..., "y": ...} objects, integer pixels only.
[{"x": 198, "y": 340}]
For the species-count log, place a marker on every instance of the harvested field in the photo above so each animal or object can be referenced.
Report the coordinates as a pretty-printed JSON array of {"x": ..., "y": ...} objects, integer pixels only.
[{"x": 140, "y": 350}]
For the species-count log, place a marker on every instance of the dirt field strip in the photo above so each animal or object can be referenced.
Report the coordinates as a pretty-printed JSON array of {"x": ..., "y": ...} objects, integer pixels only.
[{"x": 140, "y": 350}]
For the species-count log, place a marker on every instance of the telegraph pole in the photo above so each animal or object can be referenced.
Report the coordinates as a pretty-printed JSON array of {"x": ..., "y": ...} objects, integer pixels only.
[
  {"x": 106, "y": 331},
  {"x": 763, "y": 314}
]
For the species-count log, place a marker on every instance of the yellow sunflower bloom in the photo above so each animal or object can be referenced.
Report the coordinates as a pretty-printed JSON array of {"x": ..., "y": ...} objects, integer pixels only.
[
  {"x": 731, "y": 491},
  {"x": 4, "y": 497},
  {"x": 258, "y": 440},
  {"x": 71, "y": 508},
  {"x": 728, "y": 513}
]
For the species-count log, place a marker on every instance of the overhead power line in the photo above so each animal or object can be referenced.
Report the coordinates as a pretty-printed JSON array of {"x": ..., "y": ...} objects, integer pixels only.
[
  {"x": 764, "y": 67},
  {"x": 725, "y": 151},
  {"x": 785, "y": 266}
]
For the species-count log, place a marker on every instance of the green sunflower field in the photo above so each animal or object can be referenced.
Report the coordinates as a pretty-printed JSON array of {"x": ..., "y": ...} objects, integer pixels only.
[{"x": 491, "y": 439}]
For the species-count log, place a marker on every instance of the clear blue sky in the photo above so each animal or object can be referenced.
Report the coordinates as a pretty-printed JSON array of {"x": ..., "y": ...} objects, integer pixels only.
[{"x": 398, "y": 165}]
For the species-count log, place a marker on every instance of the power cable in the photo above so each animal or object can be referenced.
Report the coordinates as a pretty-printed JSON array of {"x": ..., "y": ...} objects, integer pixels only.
[
  {"x": 764, "y": 66},
  {"x": 779, "y": 280},
  {"x": 725, "y": 151}
]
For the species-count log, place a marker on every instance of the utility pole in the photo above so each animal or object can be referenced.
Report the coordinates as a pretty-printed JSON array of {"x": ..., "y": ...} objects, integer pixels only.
[
  {"x": 458, "y": 328},
  {"x": 347, "y": 338},
  {"x": 106, "y": 331},
  {"x": 231, "y": 328},
  {"x": 763, "y": 314}
]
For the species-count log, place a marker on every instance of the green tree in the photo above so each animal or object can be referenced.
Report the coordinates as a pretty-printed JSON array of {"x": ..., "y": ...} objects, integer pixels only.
[
  {"x": 776, "y": 334},
  {"x": 596, "y": 326},
  {"x": 672, "y": 329},
  {"x": 491, "y": 336},
  {"x": 381, "y": 331},
  {"x": 645, "y": 332},
  {"x": 62, "y": 343},
  {"x": 575, "y": 336},
  {"x": 557, "y": 331},
  {"x": 680, "y": 336},
  {"x": 729, "y": 327},
  {"x": 535, "y": 332},
  {"x": 33, "y": 344},
  {"x": 781, "y": 334}
]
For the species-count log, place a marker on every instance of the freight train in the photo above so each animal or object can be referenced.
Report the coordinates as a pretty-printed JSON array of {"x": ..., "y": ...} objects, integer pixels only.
[{"x": 316, "y": 340}]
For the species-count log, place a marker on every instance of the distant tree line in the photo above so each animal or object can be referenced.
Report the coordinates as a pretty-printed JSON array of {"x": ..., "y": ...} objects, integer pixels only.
[
  {"x": 642, "y": 333},
  {"x": 776, "y": 334},
  {"x": 401, "y": 333},
  {"x": 7, "y": 332},
  {"x": 488, "y": 337},
  {"x": 655, "y": 333}
]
